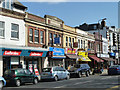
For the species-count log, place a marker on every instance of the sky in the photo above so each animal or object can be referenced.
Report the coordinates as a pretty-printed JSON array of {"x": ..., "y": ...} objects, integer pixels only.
[{"x": 77, "y": 12}]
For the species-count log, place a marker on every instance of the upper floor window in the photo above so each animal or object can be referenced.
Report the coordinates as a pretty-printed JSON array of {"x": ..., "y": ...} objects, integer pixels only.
[
  {"x": 31, "y": 35},
  {"x": 2, "y": 29},
  {"x": 41, "y": 37},
  {"x": 50, "y": 38},
  {"x": 60, "y": 38},
  {"x": 81, "y": 44},
  {"x": 7, "y": 4},
  {"x": 15, "y": 31},
  {"x": 84, "y": 44},
  {"x": 70, "y": 41},
  {"x": 66, "y": 41},
  {"x": 78, "y": 43},
  {"x": 36, "y": 36}
]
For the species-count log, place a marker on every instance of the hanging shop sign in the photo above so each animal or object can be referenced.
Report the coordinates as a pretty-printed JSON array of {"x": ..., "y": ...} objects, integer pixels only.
[
  {"x": 12, "y": 53},
  {"x": 36, "y": 53}
]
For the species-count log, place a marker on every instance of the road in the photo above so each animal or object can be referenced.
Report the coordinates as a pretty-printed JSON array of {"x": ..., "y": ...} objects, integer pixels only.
[{"x": 93, "y": 82}]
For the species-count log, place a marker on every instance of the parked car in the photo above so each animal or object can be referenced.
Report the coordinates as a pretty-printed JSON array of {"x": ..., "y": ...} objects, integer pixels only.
[
  {"x": 2, "y": 82},
  {"x": 20, "y": 76},
  {"x": 115, "y": 69},
  {"x": 54, "y": 73},
  {"x": 79, "y": 70}
]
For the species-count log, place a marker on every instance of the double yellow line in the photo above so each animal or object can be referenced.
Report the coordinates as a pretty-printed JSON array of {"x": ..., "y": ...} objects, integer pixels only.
[{"x": 118, "y": 86}]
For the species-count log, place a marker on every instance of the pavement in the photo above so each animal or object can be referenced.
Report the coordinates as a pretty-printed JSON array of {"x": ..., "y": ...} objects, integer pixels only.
[{"x": 104, "y": 71}]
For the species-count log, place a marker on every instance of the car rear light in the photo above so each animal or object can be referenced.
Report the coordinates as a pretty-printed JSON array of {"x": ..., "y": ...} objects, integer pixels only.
[
  {"x": 14, "y": 75},
  {"x": 51, "y": 71},
  {"x": 117, "y": 69}
]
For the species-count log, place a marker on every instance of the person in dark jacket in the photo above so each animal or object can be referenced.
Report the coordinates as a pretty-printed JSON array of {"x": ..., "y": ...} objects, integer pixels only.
[{"x": 20, "y": 65}]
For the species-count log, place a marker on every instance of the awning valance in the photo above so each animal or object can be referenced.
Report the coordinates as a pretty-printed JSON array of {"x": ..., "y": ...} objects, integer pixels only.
[
  {"x": 107, "y": 59},
  {"x": 72, "y": 56},
  {"x": 59, "y": 57},
  {"x": 81, "y": 58},
  {"x": 96, "y": 58}
]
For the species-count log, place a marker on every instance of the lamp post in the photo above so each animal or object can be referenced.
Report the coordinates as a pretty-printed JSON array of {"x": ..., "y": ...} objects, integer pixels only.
[{"x": 100, "y": 35}]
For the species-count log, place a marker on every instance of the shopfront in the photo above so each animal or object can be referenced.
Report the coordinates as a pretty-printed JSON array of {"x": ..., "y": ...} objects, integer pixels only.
[
  {"x": 83, "y": 57},
  {"x": 11, "y": 58},
  {"x": 71, "y": 57},
  {"x": 57, "y": 57},
  {"x": 96, "y": 62}
]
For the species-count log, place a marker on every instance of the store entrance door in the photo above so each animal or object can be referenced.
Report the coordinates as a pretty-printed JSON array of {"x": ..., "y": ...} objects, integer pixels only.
[{"x": 6, "y": 63}]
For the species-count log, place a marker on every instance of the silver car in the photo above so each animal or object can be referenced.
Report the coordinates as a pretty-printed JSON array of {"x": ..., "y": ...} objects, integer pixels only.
[{"x": 55, "y": 73}]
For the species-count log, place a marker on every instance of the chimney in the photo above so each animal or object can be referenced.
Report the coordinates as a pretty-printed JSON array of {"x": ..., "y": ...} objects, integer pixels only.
[{"x": 103, "y": 24}]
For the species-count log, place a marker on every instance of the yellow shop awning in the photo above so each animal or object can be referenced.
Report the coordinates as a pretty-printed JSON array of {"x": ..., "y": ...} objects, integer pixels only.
[{"x": 84, "y": 59}]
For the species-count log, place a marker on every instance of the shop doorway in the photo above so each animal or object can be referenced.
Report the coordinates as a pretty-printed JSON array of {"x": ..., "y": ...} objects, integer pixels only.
[{"x": 6, "y": 63}]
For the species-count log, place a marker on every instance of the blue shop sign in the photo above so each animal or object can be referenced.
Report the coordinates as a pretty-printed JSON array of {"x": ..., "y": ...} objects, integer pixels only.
[
  {"x": 57, "y": 51},
  {"x": 112, "y": 54}
]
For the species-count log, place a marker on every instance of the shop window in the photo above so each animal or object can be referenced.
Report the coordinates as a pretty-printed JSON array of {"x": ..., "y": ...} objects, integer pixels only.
[
  {"x": 36, "y": 36},
  {"x": 30, "y": 35},
  {"x": 2, "y": 29},
  {"x": 15, "y": 31},
  {"x": 14, "y": 60}
]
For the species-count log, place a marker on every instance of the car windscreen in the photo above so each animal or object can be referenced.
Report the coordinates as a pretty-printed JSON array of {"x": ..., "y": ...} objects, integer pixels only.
[
  {"x": 46, "y": 69},
  {"x": 9, "y": 72}
]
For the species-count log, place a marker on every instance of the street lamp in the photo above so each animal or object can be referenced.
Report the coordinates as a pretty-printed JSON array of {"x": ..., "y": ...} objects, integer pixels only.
[{"x": 99, "y": 35}]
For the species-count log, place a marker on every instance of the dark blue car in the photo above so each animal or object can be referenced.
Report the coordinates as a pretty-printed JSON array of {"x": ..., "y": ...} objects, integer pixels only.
[{"x": 115, "y": 69}]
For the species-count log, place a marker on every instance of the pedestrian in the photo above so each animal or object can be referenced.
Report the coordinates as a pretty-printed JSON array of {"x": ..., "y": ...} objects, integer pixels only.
[{"x": 20, "y": 65}]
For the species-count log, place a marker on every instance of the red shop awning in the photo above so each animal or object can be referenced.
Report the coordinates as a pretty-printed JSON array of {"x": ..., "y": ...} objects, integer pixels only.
[
  {"x": 96, "y": 58},
  {"x": 107, "y": 59}
]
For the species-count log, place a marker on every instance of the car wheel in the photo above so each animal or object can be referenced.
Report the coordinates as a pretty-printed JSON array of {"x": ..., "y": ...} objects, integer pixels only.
[
  {"x": 35, "y": 81},
  {"x": 1, "y": 85},
  {"x": 56, "y": 78},
  {"x": 18, "y": 83},
  {"x": 87, "y": 74},
  {"x": 79, "y": 74},
  {"x": 68, "y": 77}
]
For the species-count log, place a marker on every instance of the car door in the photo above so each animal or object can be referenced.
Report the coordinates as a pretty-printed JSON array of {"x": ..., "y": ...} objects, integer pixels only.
[
  {"x": 60, "y": 76},
  {"x": 28, "y": 76},
  {"x": 64, "y": 73}
]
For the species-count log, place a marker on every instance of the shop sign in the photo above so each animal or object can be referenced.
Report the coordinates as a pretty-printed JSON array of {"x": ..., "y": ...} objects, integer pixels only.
[
  {"x": 58, "y": 51},
  {"x": 112, "y": 54},
  {"x": 13, "y": 53},
  {"x": 70, "y": 51},
  {"x": 36, "y": 53}
]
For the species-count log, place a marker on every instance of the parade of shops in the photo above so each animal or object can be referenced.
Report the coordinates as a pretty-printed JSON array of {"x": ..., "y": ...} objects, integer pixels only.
[{"x": 39, "y": 42}]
